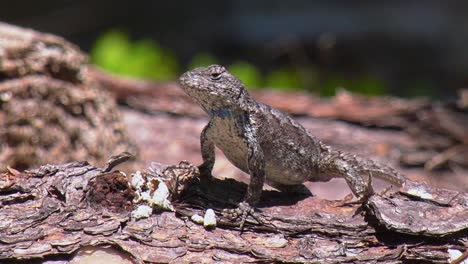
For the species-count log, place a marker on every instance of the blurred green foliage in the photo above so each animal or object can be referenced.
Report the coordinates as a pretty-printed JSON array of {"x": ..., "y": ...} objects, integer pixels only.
[
  {"x": 202, "y": 60},
  {"x": 248, "y": 73},
  {"x": 284, "y": 79},
  {"x": 115, "y": 52},
  {"x": 365, "y": 85}
]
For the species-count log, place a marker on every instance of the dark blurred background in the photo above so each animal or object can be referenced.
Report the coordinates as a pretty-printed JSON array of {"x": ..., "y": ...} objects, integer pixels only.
[{"x": 405, "y": 48}]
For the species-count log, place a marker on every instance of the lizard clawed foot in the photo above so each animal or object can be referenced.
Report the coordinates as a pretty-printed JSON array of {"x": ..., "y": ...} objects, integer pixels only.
[
  {"x": 361, "y": 199},
  {"x": 347, "y": 201},
  {"x": 242, "y": 212},
  {"x": 362, "y": 191}
]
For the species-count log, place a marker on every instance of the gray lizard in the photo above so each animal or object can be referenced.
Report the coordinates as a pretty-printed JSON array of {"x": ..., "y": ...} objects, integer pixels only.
[{"x": 268, "y": 144}]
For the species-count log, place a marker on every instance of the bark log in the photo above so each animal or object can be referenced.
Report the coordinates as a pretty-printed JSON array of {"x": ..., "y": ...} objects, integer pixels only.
[
  {"x": 50, "y": 112},
  {"x": 58, "y": 209}
]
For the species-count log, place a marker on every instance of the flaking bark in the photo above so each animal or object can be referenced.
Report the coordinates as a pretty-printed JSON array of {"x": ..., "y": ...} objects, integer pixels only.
[{"x": 58, "y": 209}]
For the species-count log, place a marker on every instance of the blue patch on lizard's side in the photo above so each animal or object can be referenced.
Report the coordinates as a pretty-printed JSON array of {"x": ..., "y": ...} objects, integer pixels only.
[{"x": 221, "y": 113}]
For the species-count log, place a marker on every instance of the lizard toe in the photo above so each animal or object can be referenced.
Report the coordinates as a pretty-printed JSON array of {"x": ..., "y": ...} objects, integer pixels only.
[{"x": 240, "y": 213}]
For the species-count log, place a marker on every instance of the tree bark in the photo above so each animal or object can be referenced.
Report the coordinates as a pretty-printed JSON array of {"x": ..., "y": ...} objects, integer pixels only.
[
  {"x": 50, "y": 112},
  {"x": 58, "y": 209}
]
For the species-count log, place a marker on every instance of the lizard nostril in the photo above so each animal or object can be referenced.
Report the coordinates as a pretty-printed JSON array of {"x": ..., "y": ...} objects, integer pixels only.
[{"x": 185, "y": 78}]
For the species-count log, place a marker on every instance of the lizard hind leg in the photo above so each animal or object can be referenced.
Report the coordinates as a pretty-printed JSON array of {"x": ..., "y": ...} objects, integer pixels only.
[{"x": 360, "y": 185}]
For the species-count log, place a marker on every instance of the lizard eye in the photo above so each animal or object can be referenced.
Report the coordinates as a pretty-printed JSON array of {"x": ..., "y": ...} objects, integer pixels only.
[
  {"x": 215, "y": 72},
  {"x": 215, "y": 75}
]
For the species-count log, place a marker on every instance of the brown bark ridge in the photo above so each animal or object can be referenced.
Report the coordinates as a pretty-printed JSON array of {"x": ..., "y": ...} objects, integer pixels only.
[
  {"x": 56, "y": 209},
  {"x": 49, "y": 111}
]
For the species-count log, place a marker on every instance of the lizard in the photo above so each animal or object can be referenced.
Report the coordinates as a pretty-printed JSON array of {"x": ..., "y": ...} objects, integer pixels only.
[{"x": 268, "y": 144}]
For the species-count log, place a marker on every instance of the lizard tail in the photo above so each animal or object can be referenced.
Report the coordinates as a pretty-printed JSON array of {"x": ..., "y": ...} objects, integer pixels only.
[
  {"x": 366, "y": 166},
  {"x": 383, "y": 172}
]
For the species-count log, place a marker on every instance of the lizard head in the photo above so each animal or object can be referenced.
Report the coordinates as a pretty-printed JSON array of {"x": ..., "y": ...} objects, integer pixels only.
[{"x": 213, "y": 87}]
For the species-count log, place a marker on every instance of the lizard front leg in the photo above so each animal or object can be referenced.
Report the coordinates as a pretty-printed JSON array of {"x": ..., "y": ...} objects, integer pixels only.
[
  {"x": 256, "y": 166},
  {"x": 207, "y": 151}
]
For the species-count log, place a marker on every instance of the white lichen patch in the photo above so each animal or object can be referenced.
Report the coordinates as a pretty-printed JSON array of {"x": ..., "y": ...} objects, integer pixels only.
[
  {"x": 151, "y": 193},
  {"x": 160, "y": 197},
  {"x": 196, "y": 218},
  {"x": 143, "y": 196},
  {"x": 209, "y": 221},
  {"x": 137, "y": 180},
  {"x": 142, "y": 211}
]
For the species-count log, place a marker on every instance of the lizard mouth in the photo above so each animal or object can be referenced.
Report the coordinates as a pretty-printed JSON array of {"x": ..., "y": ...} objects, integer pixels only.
[{"x": 191, "y": 82}]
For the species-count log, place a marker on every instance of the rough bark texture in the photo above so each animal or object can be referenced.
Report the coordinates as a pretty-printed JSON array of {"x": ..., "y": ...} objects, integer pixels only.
[
  {"x": 49, "y": 111},
  {"x": 59, "y": 209},
  {"x": 51, "y": 212}
]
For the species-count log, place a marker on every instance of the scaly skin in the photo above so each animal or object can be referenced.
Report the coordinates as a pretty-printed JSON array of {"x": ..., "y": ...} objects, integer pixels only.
[{"x": 268, "y": 144}]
